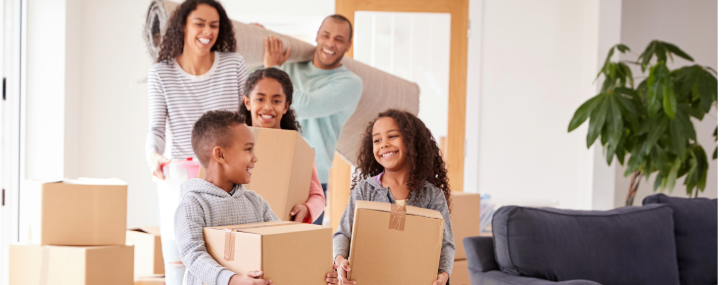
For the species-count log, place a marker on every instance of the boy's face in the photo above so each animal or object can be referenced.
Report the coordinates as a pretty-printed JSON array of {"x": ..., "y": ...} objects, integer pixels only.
[
  {"x": 267, "y": 104},
  {"x": 239, "y": 157},
  {"x": 388, "y": 146}
]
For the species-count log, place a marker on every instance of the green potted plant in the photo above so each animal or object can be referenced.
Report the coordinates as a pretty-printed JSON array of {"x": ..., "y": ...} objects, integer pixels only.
[{"x": 652, "y": 122}]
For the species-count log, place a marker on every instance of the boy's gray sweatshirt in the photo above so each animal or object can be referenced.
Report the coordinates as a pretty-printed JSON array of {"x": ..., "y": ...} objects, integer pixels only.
[
  {"x": 205, "y": 205},
  {"x": 370, "y": 189}
]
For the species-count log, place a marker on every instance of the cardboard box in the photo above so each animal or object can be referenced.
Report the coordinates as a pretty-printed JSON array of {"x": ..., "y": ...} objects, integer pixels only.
[
  {"x": 287, "y": 253},
  {"x": 71, "y": 265},
  {"x": 465, "y": 208},
  {"x": 148, "y": 258},
  {"x": 460, "y": 273},
  {"x": 392, "y": 245},
  {"x": 74, "y": 212},
  {"x": 151, "y": 280},
  {"x": 284, "y": 170}
]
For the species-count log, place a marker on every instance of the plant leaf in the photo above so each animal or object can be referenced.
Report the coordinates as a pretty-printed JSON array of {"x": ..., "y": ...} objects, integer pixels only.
[
  {"x": 674, "y": 49},
  {"x": 596, "y": 122},
  {"x": 616, "y": 125},
  {"x": 646, "y": 56},
  {"x": 583, "y": 112},
  {"x": 669, "y": 102},
  {"x": 678, "y": 138},
  {"x": 658, "y": 127}
]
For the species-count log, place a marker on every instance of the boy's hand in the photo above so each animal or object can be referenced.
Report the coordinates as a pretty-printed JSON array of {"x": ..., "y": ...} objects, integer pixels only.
[
  {"x": 343, "y": 268},
  {"x": 155, "y": 165},
  {"x": 442, "y": 279},
  {"x": 300, "y": 212},
  {"x": 332, "y": 277},
  {"x": 274, "y": 52},
  {"x": 251, "y": 278}
]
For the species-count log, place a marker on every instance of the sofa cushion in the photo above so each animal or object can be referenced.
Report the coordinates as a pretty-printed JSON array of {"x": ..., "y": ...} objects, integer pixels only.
[
  {"x": 695, "y": 236},
  {"x": 630, "y": 245}
]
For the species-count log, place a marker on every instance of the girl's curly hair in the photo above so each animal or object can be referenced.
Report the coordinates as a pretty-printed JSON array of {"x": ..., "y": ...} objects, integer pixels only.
[
  {"x": 424, "y": 156},
  {"x": 173, "y": 43},
  {"x": 289, "y": 119}
]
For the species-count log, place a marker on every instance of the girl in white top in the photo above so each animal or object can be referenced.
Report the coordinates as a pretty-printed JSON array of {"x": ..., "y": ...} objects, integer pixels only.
[{"x": 197, "y": 70}]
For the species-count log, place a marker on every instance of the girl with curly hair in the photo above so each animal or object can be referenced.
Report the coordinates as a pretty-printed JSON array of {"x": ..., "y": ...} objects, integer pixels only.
[
  {"x": 197, "y": 70},
  {"x": 267, "y": 99},
  {"x": 399, "y": 162}
]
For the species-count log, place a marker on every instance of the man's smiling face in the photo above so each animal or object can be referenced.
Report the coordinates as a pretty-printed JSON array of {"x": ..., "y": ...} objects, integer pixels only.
[{"x": 333, "y": 41}]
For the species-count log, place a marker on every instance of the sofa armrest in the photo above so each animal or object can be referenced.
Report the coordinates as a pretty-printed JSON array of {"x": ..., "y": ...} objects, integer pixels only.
[
  {"x": 479, "y": 253},
  {"x": 495, "y": 277}
]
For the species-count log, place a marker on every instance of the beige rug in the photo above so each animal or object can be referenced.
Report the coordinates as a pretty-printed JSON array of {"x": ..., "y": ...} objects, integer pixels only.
[{"x": 381, "y": 90}]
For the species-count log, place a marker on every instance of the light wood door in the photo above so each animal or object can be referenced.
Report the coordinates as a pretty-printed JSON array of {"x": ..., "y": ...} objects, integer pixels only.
[{"x": 339, "y": 184}]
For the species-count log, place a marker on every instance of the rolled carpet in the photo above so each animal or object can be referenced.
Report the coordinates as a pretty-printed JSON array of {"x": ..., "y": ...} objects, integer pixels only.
[{"x": 381, "y": 90}]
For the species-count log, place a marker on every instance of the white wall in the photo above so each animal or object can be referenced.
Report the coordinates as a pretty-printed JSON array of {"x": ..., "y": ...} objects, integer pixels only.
[
  {"x": 538, "y": 65},
  {"x": 692, "y": 26}
]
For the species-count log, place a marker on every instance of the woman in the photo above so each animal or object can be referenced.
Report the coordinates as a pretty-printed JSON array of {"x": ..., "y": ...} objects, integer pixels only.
[{"x": 197, "y": 71}]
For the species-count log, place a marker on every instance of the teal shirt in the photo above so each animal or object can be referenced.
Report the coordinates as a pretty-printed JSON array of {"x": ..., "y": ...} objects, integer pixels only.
[{"x": 323, "y": 100}]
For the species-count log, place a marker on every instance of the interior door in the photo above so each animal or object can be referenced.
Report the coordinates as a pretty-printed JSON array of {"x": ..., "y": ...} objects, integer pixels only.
[{"x": 402, "y": 18}]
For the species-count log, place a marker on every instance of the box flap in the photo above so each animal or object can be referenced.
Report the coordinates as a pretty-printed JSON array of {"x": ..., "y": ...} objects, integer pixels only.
[
  {"x": 95, "y": 181},
  {"x": 148, "y": 230},
  {"x": 254, "y": 225},
  {"x": 410, "y": 210}
]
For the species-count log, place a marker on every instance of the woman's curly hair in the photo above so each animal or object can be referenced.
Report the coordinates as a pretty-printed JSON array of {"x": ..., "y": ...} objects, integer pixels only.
[
  {"x": 424, "y": 156},
  {"x": 173, "y": 43},
  {"x": 289, "y": 119}
]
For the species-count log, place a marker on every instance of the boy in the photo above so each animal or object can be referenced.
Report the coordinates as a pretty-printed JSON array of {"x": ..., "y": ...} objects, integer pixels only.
[{"x": 224, "y": 145}]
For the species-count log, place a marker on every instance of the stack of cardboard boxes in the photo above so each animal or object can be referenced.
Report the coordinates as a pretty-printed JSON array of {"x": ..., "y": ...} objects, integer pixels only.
[
  {"x": 148, "y": 258},
  {"x": 75, "y": 234},
  {"x": 465, "y": 209}
]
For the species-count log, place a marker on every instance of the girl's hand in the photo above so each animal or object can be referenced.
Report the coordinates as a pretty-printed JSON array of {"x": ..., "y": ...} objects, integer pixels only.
[
  {"x": 274, "y": 52},
  {"x": 442, "y": 279},
  {"x": 300, "y": 212},
  {"x": 155, "y": 165},
  {"x": 251, "y": 278},
  {"x": 342, "y": 269},
  {"x": 331, "y": 278}
]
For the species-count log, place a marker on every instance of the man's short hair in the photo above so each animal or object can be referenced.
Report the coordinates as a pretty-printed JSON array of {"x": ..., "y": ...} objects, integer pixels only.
[
  {"x": 338, "y": 17},
  {"x": 214, "y": 128}
]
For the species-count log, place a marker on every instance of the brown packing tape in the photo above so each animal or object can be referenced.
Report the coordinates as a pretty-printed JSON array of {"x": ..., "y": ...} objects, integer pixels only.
[
  {"x": 229, "y": 245},
  {"x": 397, "y": 217}
]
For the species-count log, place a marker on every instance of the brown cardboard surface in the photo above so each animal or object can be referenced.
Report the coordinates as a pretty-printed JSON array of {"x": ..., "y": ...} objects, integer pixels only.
[
  {"x": 379, "y": 255},
  {"x": 284, "y": 170},
  {"x": 151, "y": 280},
  {"x": 460, "y": 273},
  {"x": 465, "y": 208},
  {"x": 74, "y": 212},
  {"x": 287, "y": 253},
  {"x": 148, "y": 258},
  {"x": 66, "y": 265}
]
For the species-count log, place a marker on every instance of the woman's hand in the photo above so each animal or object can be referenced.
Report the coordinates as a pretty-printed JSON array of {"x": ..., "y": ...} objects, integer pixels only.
[
  {"x": 300, "y": 212},
  {"x": 442, "y": 279},
  {"x": 343, "y": 267},
  {"x": 251, "y": 278},
  {"x": 155, "y": 165},
  {"x": 274, "y": 52}
]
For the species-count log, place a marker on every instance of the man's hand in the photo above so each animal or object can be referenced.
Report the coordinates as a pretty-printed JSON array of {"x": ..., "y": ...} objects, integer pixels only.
[
  {"x": 343, "y": 267},
  {"x": 442, "y": 279},
  {"x": 300, "y": 212},
  {"x": 251, "y": 278},
  {"x": 155, "y": 165},
  {"x": 274, "y": 52}
]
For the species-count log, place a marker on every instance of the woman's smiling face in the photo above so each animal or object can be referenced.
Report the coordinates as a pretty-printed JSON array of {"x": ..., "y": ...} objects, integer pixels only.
[
  {"x": 267, "y": 103},
  {"x": 202, "y": 29},
  {"x": 388, "y": 145}
]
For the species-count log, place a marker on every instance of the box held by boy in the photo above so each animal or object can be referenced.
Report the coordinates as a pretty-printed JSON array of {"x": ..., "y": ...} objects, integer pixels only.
[
  {"x": 83, "y": 211},
  {"x": 465, "y": 208},
  {"x": 460, "y": 276},
  {"x": 287, "y": 253},
  {"x": 78, "y": 265},
  {"x": 148, "y": 258},
  {"x": 284, "y": 170},
  {"x": 395, "y": 245},
  {"x": 151, "y": 280}
]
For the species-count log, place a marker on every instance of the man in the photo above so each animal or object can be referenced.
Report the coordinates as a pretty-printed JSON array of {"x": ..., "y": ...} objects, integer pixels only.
[{"x": 325, "y": 92}]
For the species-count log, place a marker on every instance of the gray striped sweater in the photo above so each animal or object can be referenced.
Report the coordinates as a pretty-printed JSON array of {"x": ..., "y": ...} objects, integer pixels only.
[
  {"x": 183, "y": 98},
  {"x": 205, "y": 205}
]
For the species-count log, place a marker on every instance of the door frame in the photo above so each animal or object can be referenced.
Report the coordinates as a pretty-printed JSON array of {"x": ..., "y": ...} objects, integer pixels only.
[{"x": 454, "y": 152}]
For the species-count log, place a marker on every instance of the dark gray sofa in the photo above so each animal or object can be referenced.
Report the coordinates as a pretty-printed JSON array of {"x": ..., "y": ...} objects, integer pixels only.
[{"x": 666, "y": 241}]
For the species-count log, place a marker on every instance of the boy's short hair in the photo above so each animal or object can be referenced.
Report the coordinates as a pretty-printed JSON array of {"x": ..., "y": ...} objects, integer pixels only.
[{"x": 214, "y": 128}]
